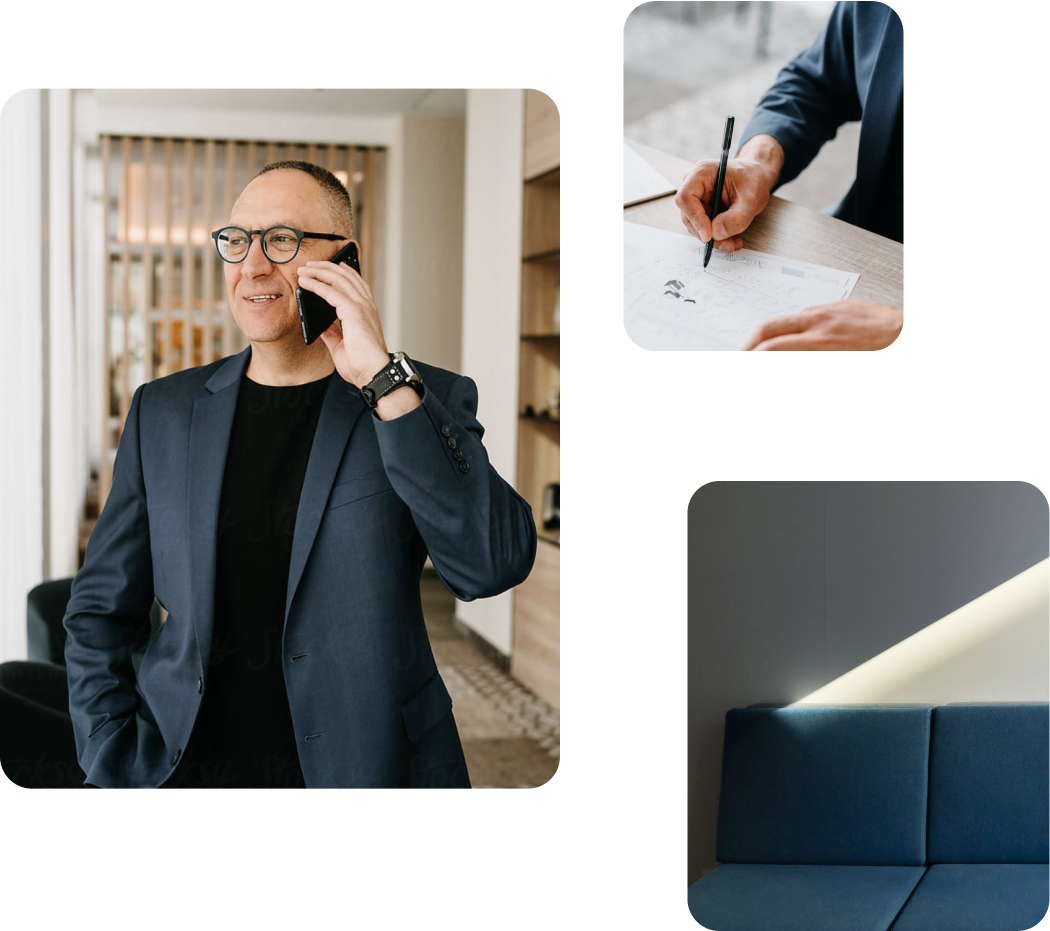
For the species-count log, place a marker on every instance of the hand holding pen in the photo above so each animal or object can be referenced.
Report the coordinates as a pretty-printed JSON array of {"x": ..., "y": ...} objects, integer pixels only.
[{"x": 747, "y": 179}]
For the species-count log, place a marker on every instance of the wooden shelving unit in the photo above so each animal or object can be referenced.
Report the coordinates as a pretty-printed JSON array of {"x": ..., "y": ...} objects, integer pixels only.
[{"x": 535, "y": 658}]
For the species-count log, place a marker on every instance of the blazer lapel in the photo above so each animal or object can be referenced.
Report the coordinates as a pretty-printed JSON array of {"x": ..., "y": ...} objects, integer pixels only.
[{"x": 210, "y": 429}]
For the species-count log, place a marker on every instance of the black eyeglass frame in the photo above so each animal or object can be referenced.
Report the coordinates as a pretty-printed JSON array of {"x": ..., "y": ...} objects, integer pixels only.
[{"x": 262, "y": 238}]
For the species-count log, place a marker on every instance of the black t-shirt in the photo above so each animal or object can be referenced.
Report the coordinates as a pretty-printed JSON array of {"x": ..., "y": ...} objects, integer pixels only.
[{"x": 243, "y": 736}]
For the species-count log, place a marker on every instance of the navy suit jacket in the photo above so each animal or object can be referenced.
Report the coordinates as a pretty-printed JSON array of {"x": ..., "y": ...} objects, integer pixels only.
[
  {"x": 854, "y": 70},
  {"x": 368, "y": 706}
]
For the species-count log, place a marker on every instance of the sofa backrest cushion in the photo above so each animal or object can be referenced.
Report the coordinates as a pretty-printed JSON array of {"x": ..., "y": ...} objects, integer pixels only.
[
  {"x": 824, "y": 786},
  {"x": 989, "y": 772}
]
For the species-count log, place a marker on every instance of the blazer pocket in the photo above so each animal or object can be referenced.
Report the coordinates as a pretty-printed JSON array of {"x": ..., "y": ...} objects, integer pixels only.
[
  {"x": 365, "y": 486},
  {"x": 428, "y": 706}
]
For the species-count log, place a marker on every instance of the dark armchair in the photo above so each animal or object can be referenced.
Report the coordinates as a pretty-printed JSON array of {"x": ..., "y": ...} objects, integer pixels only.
[
  {"x": 45, "y": 608},
  {"x": 37, "y": 749}
]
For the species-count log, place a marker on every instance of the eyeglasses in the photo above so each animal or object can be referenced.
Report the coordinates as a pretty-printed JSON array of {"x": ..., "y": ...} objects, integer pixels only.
[{"x": 280, "y": 243}]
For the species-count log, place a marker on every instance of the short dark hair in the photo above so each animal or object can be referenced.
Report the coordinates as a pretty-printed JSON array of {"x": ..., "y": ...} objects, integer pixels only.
[{"x": 337, "y": 196}]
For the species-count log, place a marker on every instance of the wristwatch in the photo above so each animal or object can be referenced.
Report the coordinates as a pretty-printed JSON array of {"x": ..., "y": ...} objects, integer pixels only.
[{"x": 401, "y": 371}]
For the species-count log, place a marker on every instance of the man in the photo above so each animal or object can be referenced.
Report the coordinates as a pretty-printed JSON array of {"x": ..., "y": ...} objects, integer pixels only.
[
  {"x": 284, "y": 527},
  {"x": 853, "y": 70}
]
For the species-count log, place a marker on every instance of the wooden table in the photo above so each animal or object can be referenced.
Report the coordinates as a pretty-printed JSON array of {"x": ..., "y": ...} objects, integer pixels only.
[{"x": 792, "y": 231}]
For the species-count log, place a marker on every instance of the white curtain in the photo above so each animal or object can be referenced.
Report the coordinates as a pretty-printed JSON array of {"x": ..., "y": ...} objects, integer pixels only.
[{"x": 41, "y": 453}]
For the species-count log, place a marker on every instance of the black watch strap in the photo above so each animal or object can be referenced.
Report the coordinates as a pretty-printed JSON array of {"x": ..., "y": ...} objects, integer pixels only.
[{"x": 399, "y": 372}]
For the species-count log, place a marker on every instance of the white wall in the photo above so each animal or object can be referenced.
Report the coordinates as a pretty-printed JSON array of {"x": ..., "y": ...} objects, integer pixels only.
[
  {"x": 21, "y": 363},
  {"x": 491, "y": 300},
  {"x": 857, "y": 592},
  {"x": 431, "y": 241},
  {"x": 65, "y": 467}
]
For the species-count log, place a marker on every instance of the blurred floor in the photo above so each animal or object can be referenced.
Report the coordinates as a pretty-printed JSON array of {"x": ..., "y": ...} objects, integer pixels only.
[
  {"x": 511, "y": 737},
  {"x": 687, "y": 66}
]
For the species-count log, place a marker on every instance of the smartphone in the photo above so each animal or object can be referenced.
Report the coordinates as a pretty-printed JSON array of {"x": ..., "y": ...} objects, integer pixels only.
[{"x": 315, "y": 313}]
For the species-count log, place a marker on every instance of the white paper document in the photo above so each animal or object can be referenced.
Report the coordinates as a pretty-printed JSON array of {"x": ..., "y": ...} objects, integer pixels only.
[
  {"x": 671, "y": 302},
  {"x": 640, "y": 180}
]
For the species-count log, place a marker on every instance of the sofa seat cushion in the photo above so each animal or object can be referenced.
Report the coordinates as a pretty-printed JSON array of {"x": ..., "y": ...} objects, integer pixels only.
[
  {"x": 978, "y": 897},
  {"x": 752, "y": 897}
]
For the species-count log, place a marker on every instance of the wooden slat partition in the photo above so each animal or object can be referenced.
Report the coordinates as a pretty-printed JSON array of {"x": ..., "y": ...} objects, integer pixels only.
[
  {"x": 105, "y": 473},
  {"x": 165, "y": 314},
  {"x": 369, "y": 204},
  {"x": 125, "y": 196},
  {"x": 169, "y": 340}
]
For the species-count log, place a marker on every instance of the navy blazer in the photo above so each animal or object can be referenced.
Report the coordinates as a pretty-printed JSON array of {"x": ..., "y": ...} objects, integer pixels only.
[
  {"x": 367, "y": 704},
  {"x": 854, "y": 70}
]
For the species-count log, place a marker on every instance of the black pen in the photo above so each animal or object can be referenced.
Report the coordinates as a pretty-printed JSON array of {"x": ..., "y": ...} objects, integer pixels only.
[{"x": 716, "y": 204}]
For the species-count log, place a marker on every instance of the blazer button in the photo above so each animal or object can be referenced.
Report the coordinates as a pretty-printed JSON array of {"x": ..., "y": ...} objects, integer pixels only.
[
  {"x": 177, "y": 757},
  {"x": 457, "y": 455},
  {"x": 464, "y": 467},
  {"x": 200, "y": 685},
  {"x": 445, "y": 430},
  {"x": 451, "y": 442}
]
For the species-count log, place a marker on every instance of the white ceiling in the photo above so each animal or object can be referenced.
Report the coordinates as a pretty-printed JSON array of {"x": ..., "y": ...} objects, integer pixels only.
[{"x": 333, "y": 102}]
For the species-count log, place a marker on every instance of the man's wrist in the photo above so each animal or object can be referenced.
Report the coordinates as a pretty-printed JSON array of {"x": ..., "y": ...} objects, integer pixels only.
[
  {"x": 399, "y": 401},
  {"x": 766, "y": 151},
  {"x": 369, "y": 368}
]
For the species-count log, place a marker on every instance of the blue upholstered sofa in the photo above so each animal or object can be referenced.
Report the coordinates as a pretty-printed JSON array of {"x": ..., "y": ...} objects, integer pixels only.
[{"x": 869, "y": 818}]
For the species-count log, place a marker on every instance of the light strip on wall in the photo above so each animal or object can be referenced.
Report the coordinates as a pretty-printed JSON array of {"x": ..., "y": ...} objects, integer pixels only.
[{"x": 995, "y": 648}]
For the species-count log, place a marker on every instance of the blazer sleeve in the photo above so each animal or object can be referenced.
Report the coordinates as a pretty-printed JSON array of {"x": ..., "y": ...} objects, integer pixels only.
[
  {"x": 813, "y": 96},
  {"x": 478, "y": 531},
  {"x": 108, "y": 612}
]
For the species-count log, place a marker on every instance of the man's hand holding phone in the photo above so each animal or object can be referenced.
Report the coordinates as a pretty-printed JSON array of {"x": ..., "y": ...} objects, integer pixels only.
[{"x": 355, "y": 339}]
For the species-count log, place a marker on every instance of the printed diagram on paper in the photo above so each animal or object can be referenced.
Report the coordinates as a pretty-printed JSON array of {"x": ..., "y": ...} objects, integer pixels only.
[{"x": 671, "y": 302}]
